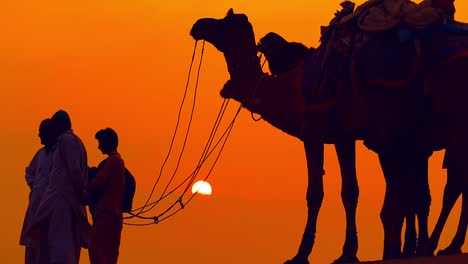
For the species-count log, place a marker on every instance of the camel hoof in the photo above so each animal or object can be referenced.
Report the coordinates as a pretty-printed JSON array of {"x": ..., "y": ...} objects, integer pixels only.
[
  {"x": 426, "y": 250},
  {"x": 449, "y": 251},
  {"x": 297, "y": 260},
  {"x": 409, "y": 249},
  {"x": 346, "y": 259},
  {"x": 408, "y": 254}
]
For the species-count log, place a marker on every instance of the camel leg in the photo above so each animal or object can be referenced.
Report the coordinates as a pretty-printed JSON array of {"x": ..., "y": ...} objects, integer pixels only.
[
  {"x": 451, "y": 194},
  {"x": 392, "y": 213},
  {"x": 346, "y": 152},
  {"x": 452, "y": 190},
  {"x": 314, "y": 155},
  {"x": 423, "y": 197},
  {"x": 409, "y": 246},
  {"x": 450, "y": 97},
  {"x": 418, "y": 200},
  {"x": 457, "y": 172},
  {"x": 459, "y": 238},
  {"x": 457, "y": 163},
  {"x": 415, "y": 171}
]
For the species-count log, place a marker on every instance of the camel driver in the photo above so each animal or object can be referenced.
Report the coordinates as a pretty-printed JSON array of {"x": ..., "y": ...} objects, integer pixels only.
[
  {"x": 37, "y": 177},
  {"x": 61, "y": 217}
]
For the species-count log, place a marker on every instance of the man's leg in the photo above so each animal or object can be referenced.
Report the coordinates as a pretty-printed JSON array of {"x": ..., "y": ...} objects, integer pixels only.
[
  {"x": 63, "y": 242},
  {"x": 115, "y": 231},
  {"x": 98, "y": 238}
]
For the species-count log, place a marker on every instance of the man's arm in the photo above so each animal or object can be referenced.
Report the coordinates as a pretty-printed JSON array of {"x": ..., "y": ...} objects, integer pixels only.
[
  {"x": 111, "y": 167},
  {"x": 71, "y": 153},
  {"x": 31, "y": 169}
]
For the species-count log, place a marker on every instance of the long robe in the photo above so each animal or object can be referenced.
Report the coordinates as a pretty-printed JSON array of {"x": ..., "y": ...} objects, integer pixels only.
[
  {"x": 37, "y": 177},
  {"x": 61, "y": 216}
]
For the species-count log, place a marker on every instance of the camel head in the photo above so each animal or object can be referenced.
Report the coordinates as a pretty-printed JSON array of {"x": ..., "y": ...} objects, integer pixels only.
[
  {"x": 233, "y": 35},
  {"x": 233, "y": 29}
]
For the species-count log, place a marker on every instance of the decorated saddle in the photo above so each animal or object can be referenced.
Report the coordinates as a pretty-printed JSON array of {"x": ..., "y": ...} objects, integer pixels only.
[
  {"x": 392, "y": 57},
  {"x": 383, "y": 15}
]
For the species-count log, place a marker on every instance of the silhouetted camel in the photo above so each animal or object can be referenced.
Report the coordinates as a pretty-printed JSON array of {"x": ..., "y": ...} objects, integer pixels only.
[
  {"x": 283, "y": 56},
  {"x": 280, "y": 101},
  {"x": 456, "y": 184}
]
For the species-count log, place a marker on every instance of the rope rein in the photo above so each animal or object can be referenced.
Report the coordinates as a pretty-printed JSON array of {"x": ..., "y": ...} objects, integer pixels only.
[
  {"x": 140, "y": 212},
  {"x": 186, "y": 133},
  {"x": 252, "y": 114},
  {"x": 174, "y": 135}
]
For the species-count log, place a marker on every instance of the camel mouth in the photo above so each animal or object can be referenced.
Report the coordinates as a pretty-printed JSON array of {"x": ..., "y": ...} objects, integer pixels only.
[
  {"x": 196, "y": 33},
  {"x": 200, "y": 30}
]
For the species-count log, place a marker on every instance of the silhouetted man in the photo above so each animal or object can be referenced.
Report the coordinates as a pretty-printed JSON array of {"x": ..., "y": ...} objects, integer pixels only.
[
  {"x": 61, "y": 216},
  {"x": 109, "y": 183},
  {"x": 37, "y": 177}
]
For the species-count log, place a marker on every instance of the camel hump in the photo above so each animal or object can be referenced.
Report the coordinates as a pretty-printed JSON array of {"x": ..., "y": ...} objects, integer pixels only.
[{"x": 282, "y": 55}]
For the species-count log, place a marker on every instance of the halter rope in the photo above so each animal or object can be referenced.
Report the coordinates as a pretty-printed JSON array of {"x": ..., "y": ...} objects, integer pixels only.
[
  {"x": 252, "y": 115},
  {"x": 191, "y": 178}
]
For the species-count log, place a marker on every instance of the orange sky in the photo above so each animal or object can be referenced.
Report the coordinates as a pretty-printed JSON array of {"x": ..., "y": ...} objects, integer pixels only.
[{"x": 75, "y": 56}]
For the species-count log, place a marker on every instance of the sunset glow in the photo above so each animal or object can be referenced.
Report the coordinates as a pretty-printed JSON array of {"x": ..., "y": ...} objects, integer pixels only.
[{"x": 124, "y": 65}]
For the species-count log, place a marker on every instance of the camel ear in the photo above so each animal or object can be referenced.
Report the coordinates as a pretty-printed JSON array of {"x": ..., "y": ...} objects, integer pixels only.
[{"x": 230, "y": 12}]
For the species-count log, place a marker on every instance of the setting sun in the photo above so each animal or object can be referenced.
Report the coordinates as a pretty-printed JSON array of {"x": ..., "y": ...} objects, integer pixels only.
[{"x": 202, "y": 187}]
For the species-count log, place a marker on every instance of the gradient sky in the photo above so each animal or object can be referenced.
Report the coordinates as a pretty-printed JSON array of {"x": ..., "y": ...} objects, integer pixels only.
[{"x": 124, "y": 64}]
